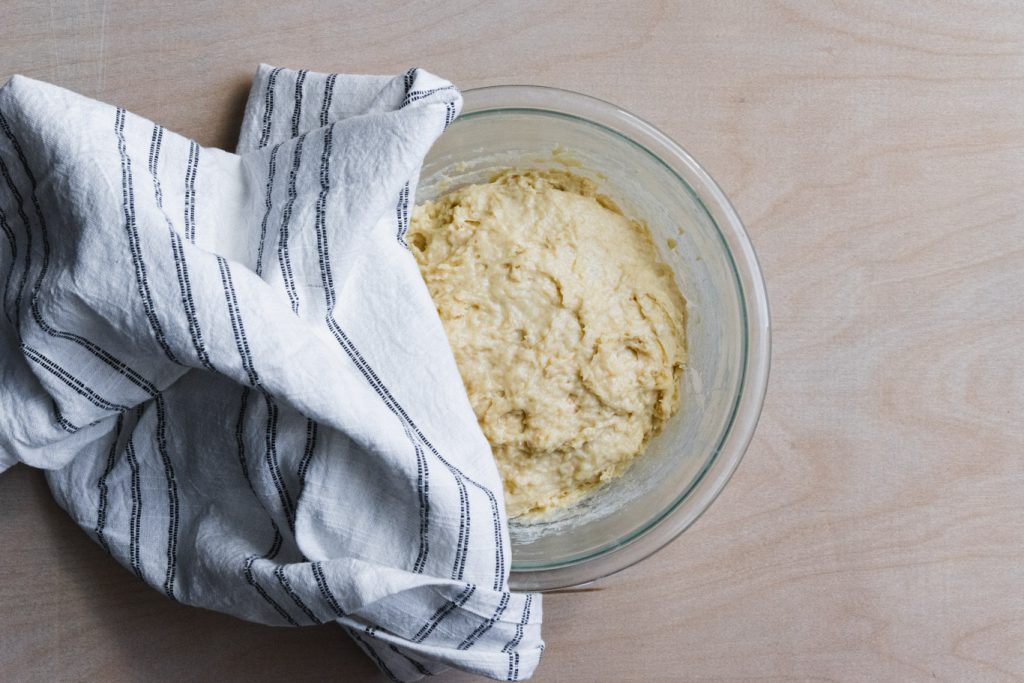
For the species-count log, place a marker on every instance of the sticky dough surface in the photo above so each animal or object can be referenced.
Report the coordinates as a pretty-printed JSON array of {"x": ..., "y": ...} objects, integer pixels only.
[{"x": 566, "y": 327}]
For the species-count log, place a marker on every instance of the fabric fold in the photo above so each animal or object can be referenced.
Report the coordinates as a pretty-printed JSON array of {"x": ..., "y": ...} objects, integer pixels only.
[{"x": 233, "y": 372}]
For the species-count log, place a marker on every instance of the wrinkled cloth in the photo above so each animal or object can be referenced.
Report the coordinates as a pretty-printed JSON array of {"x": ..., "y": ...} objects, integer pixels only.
[{"x": 234, "y": 374}]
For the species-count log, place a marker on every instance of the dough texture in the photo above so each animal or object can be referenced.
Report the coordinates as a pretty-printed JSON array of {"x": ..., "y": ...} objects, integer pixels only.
[{"x": 568, "y": 330}]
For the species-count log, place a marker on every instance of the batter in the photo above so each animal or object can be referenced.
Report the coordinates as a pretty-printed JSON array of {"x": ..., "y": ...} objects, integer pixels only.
[{"x": 568, "y": 330}]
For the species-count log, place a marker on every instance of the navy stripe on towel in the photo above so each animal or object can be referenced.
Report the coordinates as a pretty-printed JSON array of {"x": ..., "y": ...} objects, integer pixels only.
[
  {"x": 191, "y": 170},
  {"x": 443, "y": 611},
  {"x": 251, "y": 580},
  {"x": 283, "y": 255},
  {"x": 483, "y": 628},
  {"x": 172, "y": 497},
  {"x": 325, "y": 108},
  {"x": 28, "y": 247},
  {"x": 268, "y": 204},
  {"x": 282, "y": 579},
  {"x": 297, "y": 112},
  {"x": 77, "y": 385},
  {"x": 268, "y": 108},
  {"x": 325, "y": 589},
  {"x": 307, "y": 452},
  {"x": 134, "y": 240},
  {"x": 135, "y": 520},
  {"x": 101, "y": 484},
  {"x": 13, "y": 249},
  {"x": 510, "y": 646}
]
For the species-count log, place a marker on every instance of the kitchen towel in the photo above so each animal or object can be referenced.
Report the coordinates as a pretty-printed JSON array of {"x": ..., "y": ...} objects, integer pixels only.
[{"x": 234, "y": 374}]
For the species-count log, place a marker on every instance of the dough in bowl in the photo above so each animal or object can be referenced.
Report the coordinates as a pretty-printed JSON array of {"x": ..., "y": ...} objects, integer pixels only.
[{"x": 567, "y": 328}]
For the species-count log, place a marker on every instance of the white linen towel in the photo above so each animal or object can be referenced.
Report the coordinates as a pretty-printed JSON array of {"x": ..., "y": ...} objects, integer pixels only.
[{"x": 234, "y": 373}]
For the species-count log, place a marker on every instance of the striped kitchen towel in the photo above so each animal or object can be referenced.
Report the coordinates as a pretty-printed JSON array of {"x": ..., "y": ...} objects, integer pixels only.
[{"x": 234, "y": 374}]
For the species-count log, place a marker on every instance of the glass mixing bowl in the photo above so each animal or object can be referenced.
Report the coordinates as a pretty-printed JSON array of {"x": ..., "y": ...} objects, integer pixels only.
[{"x": 700, "y": 236}]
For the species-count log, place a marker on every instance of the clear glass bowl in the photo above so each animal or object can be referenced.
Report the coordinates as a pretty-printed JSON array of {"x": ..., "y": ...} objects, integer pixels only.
[{"x": 700, "y": 236}]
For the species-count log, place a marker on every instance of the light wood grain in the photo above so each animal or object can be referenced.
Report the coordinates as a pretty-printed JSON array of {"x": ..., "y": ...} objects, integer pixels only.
[{"x": 875, "y": 530}]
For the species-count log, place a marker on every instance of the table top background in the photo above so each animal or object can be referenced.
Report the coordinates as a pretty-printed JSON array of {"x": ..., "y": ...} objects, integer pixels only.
[{"x": 875, "y": 530}]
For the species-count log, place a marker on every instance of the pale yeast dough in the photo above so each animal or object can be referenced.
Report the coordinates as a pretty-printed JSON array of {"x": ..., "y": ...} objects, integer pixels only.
[{"x": 567, "y": 329}]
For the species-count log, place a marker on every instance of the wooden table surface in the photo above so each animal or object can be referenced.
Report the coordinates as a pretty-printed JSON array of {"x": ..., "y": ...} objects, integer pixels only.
[{"x": 875, "y": 530}]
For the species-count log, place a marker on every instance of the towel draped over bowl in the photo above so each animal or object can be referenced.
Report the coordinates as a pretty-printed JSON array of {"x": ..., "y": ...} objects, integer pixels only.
[{"x": 235, "y": 377}]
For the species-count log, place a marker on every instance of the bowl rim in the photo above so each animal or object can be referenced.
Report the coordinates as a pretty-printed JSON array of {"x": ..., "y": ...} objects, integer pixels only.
[{"x": 665, "y": 526}]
